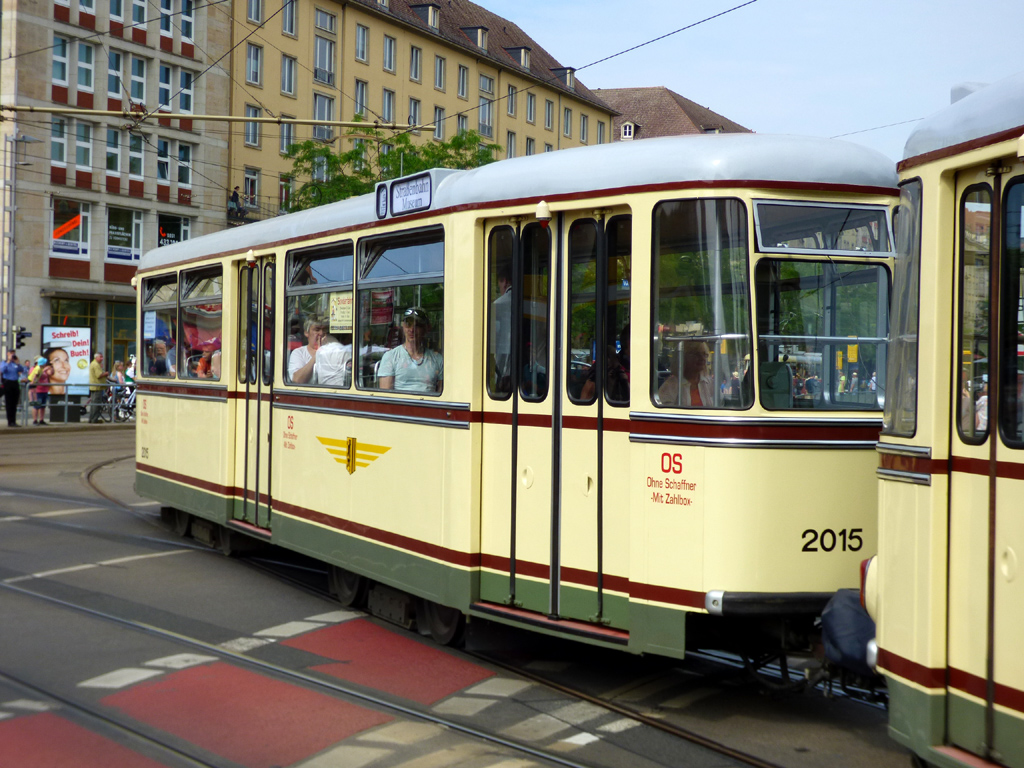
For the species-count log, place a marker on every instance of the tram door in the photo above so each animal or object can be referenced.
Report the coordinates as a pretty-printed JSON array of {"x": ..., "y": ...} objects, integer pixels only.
[
  {"x": 540, "y": 526},
  {"x": 254, "y": 414},
  {"x": 986, "y": 531}
]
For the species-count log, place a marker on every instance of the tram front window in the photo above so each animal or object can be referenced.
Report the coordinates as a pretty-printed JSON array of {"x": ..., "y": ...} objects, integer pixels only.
[
  {"x": 822, "y": 328},
  {"x": 700, "y": 348},
  {"x": 798, "y": 227}
]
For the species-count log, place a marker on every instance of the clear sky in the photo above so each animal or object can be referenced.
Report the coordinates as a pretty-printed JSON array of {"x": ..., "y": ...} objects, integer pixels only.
[{"x": 814, "y": 67}]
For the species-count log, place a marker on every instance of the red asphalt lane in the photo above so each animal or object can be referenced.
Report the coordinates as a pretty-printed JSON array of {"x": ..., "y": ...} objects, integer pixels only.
[
  {"x": 389, "y": 661},
  {"x": 248, "y": 718},
  {"x": 46, "y": 740}
]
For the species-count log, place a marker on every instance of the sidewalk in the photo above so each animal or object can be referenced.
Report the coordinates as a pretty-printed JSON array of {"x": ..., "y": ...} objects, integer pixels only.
[{"x": 82, "y": 426}]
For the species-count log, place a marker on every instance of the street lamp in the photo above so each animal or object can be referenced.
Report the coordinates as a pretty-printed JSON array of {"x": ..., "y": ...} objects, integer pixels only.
[{"x": 9, "y": 245}]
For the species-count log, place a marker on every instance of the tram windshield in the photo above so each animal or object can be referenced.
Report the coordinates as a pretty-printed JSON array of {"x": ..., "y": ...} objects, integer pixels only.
[
  {"x": 792, "y": 227},
  {"x": 822, "y": 329}
]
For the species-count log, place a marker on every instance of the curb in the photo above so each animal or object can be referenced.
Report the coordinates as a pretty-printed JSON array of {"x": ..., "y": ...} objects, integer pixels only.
[{"x": 31, "y": 429}]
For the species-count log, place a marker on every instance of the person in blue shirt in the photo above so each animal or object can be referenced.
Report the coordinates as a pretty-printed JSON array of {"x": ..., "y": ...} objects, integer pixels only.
[{"x": 11, "y": 373}]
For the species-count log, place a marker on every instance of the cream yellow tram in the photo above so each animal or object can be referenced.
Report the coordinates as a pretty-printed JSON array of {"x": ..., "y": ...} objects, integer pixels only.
[
  {"x": 625, "y": 393},
  {"x": 946, "y": 589}
]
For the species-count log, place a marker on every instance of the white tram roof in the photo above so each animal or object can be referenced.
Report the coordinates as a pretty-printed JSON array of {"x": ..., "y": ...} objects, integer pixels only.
[
  {"x": 986, "y": 112},
  {"x": 739, "y": 157}
]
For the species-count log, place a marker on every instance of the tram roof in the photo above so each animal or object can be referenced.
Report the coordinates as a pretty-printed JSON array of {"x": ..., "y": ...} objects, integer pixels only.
[
  {"x": 985, "y": 113},
  {"x": 714, "y": 158}
]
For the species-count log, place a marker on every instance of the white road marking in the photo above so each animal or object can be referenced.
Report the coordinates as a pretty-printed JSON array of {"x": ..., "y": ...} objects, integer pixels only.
[
  {"x": 618, "y": 726},
  {"x": 581, "y": 739},
  {"x": 289, "y": 629},
  {"x": 55, "y": 572},
  {"x": 335, "y": 617},
  {"x": 63, "y": 512},
  {"x": 460, "y": 705},
  {"x": 5, "y": 715},
  {"x": 499, "y": 686},
  {"x": 579, "y": 713},
  {"x": 536, "y": 728},
  {"x": 132, "y": 558},
  {"x": 180, "y": 661},
  {"x": 349, "y": 756},
  {"x": 145, "y": 504},
  {"x": 120, "y": 678},
  {"x": 244, "y": 644},
  {"x": 9, "y": 518},
  {"x": 30, "y": 705},
  {"x": 402, "y": 733}
]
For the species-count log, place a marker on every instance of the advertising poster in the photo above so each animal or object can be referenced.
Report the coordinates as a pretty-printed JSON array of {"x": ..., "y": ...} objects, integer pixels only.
[
  {"x": 69, "y": 351},
  {"x": 341, "y": 312},
  {"x": 381, "y": 307}
]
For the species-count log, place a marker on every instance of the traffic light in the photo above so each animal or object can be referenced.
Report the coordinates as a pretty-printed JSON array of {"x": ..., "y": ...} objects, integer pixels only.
[{"x": 21, "y": 335}]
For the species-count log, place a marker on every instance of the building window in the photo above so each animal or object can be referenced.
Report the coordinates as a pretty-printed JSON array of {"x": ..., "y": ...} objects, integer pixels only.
[
  {"x": 463, "y": 82},
  {"x": 362, "y": 43},
  {"x": 487, "y": 85},
  {"x": 163, "y": 93},
  {"x": 287, "y": 136},
  {"x": 117, "y": 10},
  {"x": 389, "y": 53},
  {"x": 284, "y": 193},
  {"x": 251, "y": 190},
  {"x": 75, "y": 241},
  {"x": 439, "y": 123},
  {"x": 510, "y": 102},
  {"x": 115, "y": 62},
  {"x": 60, "y": 60},
  {"x": 510, "y": 145},
  {"x": 600, "y": 131},
  {"x": 166, "y": 10},
  {"x": 415, "y": 64},
  {"x": 567, "y": 122},
  {"x": 323, "y": 109},
  {"x": 253, "y": 64},
  {"x": 387, "y": 111},
  {"x": 184, "y": 164},
  {"x": 360, "y": 163},
  {"x": 627, "y": 131},
  {"x": 86, "y": 6},
  {"x": 255, "y": 10},
  {"x": 328, "y": 22},
  {"x": 173, "y": 229},
  {"x": 549, "y": 114},
  {"x": 414, "y": 112},
  {"x": 252, "y": 130},
  {"x": 531, "y": 146},
  {"x": 187, "y": 20},
  {"x": 548, "y": 148},
  {"x": 323, "y": 60},
  {"x": 138, "y": 12},
  {"x": 288, "y": 65},
  {"x": 185, "y": 91},
  {"x": 439, "y": 72},
  {"x": 584, "y": 128},
  {"x": 531, "y": 108},
  {"x": 462, "y": 123},
  {"x": 138, "y": 86},
  {"x": 85, "y": 67},
  {"x": 124, "y": 234},
  {"x": 485, "y": 123},
  {"x": 113, "y": 151},
  {"x": 163, "y": 160},
  {"x": 360, "y": 97},
  {"x": 58, "y": 141},
  {"x": 135, "y": 155},
  {"x": 83, "y": 145},
  {"x": 288, "y": 17}
]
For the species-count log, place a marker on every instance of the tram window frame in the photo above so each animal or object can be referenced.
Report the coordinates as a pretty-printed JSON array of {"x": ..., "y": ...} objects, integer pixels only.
[
  {"x": 308, "y": 301},
  {"x": 190, "y": 283},
  {"x": 762, "y": 224},
  {"x": 502, "y": 242},
  {"x": 972, "y": 436},
  {"x": 412, "y": 277},
  {"x": 781, "y": 371},
  {"x": 535, "y": 331},
  {"x": 899, "y": 416},
  {"x": 160, "y": 295},
  {"x": 716, "y": 342},
  {"x": 1011, "y": 379}
]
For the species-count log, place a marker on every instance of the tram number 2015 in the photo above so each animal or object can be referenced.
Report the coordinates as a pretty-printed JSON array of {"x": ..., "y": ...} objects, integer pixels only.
[{"x": 829, "y": 540}]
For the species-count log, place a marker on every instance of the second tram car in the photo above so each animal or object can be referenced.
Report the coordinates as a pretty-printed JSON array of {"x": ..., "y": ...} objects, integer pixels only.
[
  {"x": 946, "y": 589},
  {"x": 628, "y": 393}
]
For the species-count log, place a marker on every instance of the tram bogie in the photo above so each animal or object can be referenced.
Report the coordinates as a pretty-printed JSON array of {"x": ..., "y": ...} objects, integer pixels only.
[{"x": 573, "y": 392}]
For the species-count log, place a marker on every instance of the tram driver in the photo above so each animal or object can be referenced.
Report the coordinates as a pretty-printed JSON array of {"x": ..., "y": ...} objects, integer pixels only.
[{"x": 412, "y": 367}]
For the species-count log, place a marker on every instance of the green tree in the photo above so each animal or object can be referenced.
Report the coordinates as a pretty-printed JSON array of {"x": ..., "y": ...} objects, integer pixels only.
[{"x": 376, "y": 156}]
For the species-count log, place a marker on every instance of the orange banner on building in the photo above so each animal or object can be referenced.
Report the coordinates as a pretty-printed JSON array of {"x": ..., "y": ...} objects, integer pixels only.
[{"x": 63, "y": 229}]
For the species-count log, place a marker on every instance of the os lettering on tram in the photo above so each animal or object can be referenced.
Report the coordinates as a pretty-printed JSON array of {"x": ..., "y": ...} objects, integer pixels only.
[{"x": 672, "y": 463}]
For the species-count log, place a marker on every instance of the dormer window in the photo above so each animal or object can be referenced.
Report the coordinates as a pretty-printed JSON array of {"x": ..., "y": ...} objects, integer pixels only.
[
  {"x": 567, "y": 76},
  {"x": 478, "y": 35},
  {"x": 627, "y": 131},
  {"x": 521, "y": 55},
  {"x": 382, "y": 3},
  {"x": 430, "y": 13},
  {"x": 713, "y": 129}
]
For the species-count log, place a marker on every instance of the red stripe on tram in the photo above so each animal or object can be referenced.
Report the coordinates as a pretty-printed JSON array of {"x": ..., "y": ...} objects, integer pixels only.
[{"x": 929, "y": 677}]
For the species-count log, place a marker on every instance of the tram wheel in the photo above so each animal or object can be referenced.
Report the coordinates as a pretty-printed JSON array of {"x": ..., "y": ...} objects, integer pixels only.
[
  {"x": 350, "y": 588},
  {"x": 182, "y": 522},
  {"x": 446, "y": 625}
]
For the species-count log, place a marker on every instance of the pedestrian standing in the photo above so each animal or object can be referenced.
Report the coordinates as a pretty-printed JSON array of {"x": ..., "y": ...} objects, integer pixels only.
[
  {"x": 11, "y": 373},
  {"x": 97, "y": 384}
]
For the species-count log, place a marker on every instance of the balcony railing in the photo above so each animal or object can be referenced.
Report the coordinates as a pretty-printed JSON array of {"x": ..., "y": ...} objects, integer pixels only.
[{"x": 253, "y": 209}]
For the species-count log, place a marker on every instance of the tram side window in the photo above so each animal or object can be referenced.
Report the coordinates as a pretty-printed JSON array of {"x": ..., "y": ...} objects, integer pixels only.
[
  {"x": 535, "y": 312},
  {"x": 700, "y": 350},
  {"x": 401, "y": 313},
  {"x": 318, "y": 345},
  {"x": 159, "y": 321},
  {"x": 202, "y": 307},
  {"x": 822, "y": 334},
  {"x": 500, "y": 247},
  {"x": 794, "y": 227},
  {"x": 900, "y": 414},
  {"x": 1011, "y": 404},
  {"x": 975, "y": 266}
]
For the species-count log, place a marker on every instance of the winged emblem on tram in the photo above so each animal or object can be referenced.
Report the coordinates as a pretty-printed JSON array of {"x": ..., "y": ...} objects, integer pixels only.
[{"x": 351, "y": 453}]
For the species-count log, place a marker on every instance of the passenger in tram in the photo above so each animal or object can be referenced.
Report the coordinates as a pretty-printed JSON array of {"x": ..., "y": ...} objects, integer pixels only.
[
  {"x": 617, "y": 374},
  {"x": 697, "y": 389},
  {"x": 501, "y": 330},
  {"x": 333, "y": 364},
  {"x": 535, "y": 372},
  {"x": 981, "y": 409},
  {"x": 159, "y": 365},
  {"x": 301, "y": 359},
  {"x": 208, "y": 366},
  {"x": 412, "y": 367}
]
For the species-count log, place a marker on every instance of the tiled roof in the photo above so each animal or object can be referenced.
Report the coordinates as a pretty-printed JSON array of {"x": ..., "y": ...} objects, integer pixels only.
[
  {"x": 456, "y": 15},
  {"x": 661, "y": 112}
]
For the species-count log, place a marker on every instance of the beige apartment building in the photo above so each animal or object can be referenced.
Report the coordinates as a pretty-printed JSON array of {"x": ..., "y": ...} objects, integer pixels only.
[
  {"x": 447, "y": 66},
  {"x": 86, "y": 193}
]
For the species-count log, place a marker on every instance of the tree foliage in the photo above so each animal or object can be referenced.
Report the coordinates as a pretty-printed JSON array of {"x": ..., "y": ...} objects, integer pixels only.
[{"x": 328, "y": 175}]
